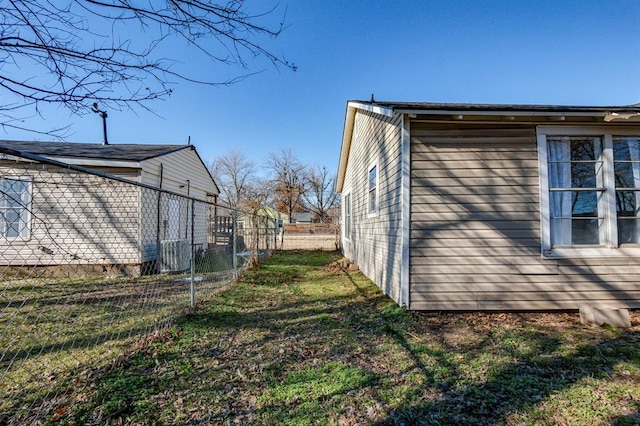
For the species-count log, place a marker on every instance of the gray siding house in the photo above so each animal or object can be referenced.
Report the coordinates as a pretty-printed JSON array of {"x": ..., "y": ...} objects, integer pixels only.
[
  {"x": 67, "y": 217},
  {"x": 493, "y": 207}
]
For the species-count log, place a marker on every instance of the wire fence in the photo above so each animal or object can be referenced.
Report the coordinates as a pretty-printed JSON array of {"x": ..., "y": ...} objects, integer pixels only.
[{"x": 91, "y": 267}]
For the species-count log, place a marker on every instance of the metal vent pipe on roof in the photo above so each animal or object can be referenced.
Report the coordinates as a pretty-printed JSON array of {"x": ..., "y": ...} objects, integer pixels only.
[{"x": 103, "y": 114}]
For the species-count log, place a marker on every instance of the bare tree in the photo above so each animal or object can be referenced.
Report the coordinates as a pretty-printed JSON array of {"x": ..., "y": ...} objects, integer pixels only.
[
  {"x": 245, "y": 192},
  {"x": 320, "y": 195},
  {"x": 257, "y": 197},
  {"x": 288, "y": 176},
  {"x": 73, "y": 53},
  {"x": 235, "y": 174}
]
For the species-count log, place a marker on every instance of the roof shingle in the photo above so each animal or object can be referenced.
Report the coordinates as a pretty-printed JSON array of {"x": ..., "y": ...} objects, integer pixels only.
[{"x": 126, "y": 152}]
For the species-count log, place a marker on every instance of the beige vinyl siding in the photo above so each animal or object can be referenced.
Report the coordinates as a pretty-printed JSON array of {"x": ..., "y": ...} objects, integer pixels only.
[
  {"x": 176, "y": 167},
  {"x": 76, "y": 218},
  {"x": 376, "y": 243},
  {"x": 475, "y": 228}
]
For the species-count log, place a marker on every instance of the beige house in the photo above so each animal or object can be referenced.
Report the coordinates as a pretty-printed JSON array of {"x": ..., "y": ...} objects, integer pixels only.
[
  {"x": 493, "y": 207},
  {"x": 54, "y": 215}
]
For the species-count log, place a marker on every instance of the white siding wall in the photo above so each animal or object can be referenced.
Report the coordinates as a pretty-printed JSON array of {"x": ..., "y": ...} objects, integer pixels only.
[
  {"x": 75, "y": 219},
  {"x": 376, "y": 242},
  {"x": 475, "y": 230},
  {"x": 79, "y": 218},
  {"x": 177, "y": 168}
]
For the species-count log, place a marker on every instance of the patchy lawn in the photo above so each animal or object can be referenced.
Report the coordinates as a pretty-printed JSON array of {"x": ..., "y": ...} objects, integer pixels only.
[
  {"x": 55, "y": 333},
  {"x": 302, "y": 342}
]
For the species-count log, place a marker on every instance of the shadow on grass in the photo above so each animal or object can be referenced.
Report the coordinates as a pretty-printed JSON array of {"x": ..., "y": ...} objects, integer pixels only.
[
  {"x": 267, "y": 354},
  {"x": 513, "y": 390}
]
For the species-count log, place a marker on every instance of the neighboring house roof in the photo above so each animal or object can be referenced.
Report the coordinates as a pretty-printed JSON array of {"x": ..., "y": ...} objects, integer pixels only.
[
  {"x": 268, "y": 212},
  {"x": 90, "y": 154},
  {"x": 302, "y": 217},
  {"x": 126, "y": 152},
  {"x": 629, "y": 113}
]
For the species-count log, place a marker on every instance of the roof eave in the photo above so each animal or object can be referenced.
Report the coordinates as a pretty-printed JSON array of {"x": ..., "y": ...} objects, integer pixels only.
[
  {"x": 100, "y": 162},
  {"x": 628, "y": 114},
  {"x": 346, "y": 145},
  {"x": 347, "y": 135},
  {"x": 519, "y": 113}
]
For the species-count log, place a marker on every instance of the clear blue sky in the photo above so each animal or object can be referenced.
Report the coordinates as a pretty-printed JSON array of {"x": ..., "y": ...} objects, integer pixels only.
[{"x": 516, "y": 51}]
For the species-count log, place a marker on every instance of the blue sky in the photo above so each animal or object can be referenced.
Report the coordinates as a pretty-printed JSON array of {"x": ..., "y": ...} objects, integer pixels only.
[{"x": 534, "y": 52}]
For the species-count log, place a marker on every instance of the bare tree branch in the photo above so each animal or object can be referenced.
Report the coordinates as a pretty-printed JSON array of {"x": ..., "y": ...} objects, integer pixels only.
[
  {"x": 235, "y": 175},
  {"x": 258, "y": 196},
  {"x": 288, "y": 176},
  {"x": 320, "y": 196},
  {"x": 72, "y": 53}
]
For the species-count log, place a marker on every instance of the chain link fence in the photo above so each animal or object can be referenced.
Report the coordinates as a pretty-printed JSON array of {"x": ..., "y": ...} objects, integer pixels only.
[{"x": 91, "y": 267}]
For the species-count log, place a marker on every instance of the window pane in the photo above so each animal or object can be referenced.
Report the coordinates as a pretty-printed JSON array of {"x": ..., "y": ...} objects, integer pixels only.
[
  {"x": 624, "y": 175},
  {"x": 11, "y": 193},
  {"x": 578, "y": 225},
  {"x": 628, "y": 230},
  {"x": 347, "y": 214},
  {"x": 584, "y": 204},
  {"x": 373, "y": 191},
  {"x": 585, "y": 232},
  {"x": 575, "y": 162},
  {"x": 13, "y": 223},
  {"x": 626, "y": 203},
  {"x": 14, "y": 202},
  {"x": 583, "y": 175},
  {"x": 565, "y": 232},
  {"x": 626, "y": 154},
  {"x": 575, "y": 204},
  {"x": 372, "y": 201},
  {"x": 372, "y": 178},
  {"x": 627, "y": 211},
  {"x": 584, "y": 153},
  {"x": 626, "y": 166}
]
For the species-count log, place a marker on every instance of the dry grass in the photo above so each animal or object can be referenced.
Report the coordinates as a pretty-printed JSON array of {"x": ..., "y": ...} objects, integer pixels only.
[{"x": 302, "y": 342}]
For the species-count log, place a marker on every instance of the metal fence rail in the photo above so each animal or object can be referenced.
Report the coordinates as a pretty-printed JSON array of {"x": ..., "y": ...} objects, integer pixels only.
[{"x": 91, "y": 266}]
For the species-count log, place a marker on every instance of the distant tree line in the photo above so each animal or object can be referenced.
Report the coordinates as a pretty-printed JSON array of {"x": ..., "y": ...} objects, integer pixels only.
[{"x": 289, "y": 186}]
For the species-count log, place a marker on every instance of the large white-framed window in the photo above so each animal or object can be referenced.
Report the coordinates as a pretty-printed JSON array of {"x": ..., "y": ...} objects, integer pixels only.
[
  {"x": 589, "y": 191},
  {"x": 15, "y": 207},
  {"x": 347, "y": 216},
  {"x": 372, "y": 189}
]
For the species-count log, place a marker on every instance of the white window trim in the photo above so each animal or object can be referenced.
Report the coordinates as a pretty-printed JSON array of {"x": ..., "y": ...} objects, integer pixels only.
[
  {"x": 347, "y": 235},
  {"x": 27, "y": 208},
  {"x": 611, "y": 248},
  {"x": 373, "y": 165}
]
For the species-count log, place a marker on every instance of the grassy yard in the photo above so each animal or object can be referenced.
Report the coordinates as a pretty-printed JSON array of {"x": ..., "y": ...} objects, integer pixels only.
[
  {"x": 55, "y": 332},
  {"x": 302, "y": 342}
]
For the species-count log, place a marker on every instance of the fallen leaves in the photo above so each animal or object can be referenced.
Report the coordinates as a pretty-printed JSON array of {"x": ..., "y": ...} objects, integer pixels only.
[{"x": 305, "y": 347}]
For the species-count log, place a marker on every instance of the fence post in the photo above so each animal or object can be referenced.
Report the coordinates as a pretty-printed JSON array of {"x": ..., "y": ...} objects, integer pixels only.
[
  {"x": 192, "y": 285},
  {"x": 234, "y": 223}
]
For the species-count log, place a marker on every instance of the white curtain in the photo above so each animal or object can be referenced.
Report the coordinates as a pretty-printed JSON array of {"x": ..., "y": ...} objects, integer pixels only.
[
  {"x": 560, "y": 201},
  {"x": 634, "y": 154}
]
